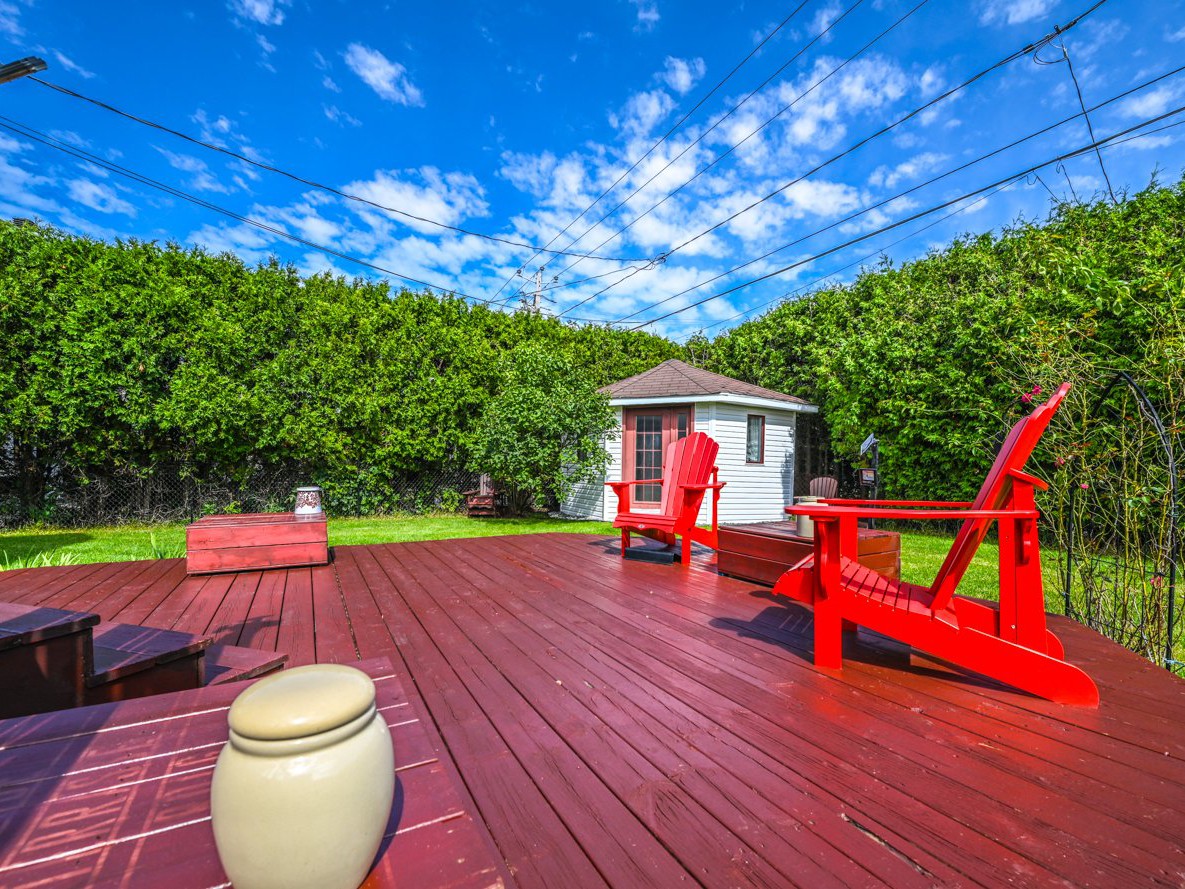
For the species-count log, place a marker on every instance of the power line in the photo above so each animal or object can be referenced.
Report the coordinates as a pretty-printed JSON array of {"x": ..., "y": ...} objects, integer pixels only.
[
  {"x": 667, "y": 134},
  {"x": 28, "y": 132},
  {"x": 1086, "y": 149},
  {"x": 733, "y": 148},
  {"x": 1032, "y": 47},
  {"x": 879, "y": 251},
  {"x": 884, "y": 201},
  {"x": 823, "y": 33},
  {"x": 319, "y": 185},
  {"x": 863, "y": 259}
]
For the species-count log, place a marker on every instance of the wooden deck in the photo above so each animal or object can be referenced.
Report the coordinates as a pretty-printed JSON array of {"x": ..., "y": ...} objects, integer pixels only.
[{"x": 628, "y": 724}]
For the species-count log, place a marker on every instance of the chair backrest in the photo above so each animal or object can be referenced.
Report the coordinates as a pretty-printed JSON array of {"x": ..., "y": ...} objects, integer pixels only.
[
  {"x": 689, "y": 461},
  {"x": 824, "y": 486},
  {"x": 994, "y": 494}
]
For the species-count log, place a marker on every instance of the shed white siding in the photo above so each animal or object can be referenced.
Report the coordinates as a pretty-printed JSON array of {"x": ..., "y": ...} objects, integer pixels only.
[
  {"x": 591, "y": 500},
  {"x": 755, "y": 492}
]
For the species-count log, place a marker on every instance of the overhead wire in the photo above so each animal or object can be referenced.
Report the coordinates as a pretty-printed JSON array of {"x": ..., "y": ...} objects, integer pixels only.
[
  {"x": 768, "y": 37},
  {"x": 1030, "y": 48},
  {"x": 905, "y": 193},
  {"x": 769, "y": 121},
  {"x": 35, "y": 135},
  {"x": 1060, "y": 159},
  {"x": 1020, "y": 53},
  {"x": 312, "y": 183},
  {"x": 857, "y": 262},
  {"x": 880, "y": 250},
  {"x": 710, "y": 129}
]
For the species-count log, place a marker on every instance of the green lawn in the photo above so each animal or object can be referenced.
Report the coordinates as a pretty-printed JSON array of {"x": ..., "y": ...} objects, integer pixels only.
[{"x": 129, "y": 542}]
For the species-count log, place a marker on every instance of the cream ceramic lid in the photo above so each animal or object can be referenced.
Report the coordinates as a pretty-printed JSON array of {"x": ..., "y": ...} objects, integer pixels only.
[{"x": 300, "y": 702}]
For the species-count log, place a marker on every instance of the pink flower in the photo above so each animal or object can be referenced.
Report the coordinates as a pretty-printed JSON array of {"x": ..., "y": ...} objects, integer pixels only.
[
  {"x": 1084, "y": 486},
  {"x": 1157, "y": 579},
  {"x": 1027, "y": 397},
  {"x": 1036, "y": 390},
  {"x": 1059, "y": 462}
]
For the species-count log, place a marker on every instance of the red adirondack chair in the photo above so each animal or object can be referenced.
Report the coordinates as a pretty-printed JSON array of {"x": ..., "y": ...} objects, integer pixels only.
[
  {"x": 689, "y": 471},
  {"x": 1010, "y": 643}
]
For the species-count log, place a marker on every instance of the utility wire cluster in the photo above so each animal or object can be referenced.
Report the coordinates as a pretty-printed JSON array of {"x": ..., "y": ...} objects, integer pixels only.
[{"x": 628, "y": 267}]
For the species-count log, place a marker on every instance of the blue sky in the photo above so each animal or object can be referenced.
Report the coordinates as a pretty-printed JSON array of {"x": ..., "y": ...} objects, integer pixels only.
[{"x": 509, "y": 120}]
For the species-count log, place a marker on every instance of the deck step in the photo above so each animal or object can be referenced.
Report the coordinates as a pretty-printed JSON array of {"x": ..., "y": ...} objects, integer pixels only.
[
  {"x": 44, "y": 656},
  {"x": 231, "y": 663},
  {"x": 132, "y": 661}
]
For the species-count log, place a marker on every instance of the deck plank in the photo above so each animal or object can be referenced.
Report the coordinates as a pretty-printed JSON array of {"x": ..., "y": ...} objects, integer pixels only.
[{"x": 530, "y": 834}]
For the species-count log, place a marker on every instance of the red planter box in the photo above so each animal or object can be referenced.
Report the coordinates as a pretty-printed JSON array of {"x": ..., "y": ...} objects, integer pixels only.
[
  {"x": 761, "y": 552},
  {"x": 254, "y": 541}
]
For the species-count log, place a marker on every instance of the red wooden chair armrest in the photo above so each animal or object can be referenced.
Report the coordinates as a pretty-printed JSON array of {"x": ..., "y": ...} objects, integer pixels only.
[
  {"x": 945, "y": 504},
  {"x": 712, "y": 486},
  {"x": 823, "y": 512},
  {"x": 639, "y": 481}
]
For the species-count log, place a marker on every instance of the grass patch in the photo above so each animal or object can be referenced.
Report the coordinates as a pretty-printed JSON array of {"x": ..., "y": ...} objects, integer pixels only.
[{"x": 126, "y": 543}]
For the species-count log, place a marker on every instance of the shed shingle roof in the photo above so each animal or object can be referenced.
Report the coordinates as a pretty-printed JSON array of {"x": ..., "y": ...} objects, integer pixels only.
[{"x": 677, "y": 378}]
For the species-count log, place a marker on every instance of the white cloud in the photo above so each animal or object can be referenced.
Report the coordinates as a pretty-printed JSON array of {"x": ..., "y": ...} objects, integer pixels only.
[
  {"x": 1015, "y": 12},
  {"x": 824, "y": 19},
  {"x": 890, "y": 177},
  {"x": 444, "y": 197},
  {"x": 266, "y": 45},
  {"x": 330, "y": 84},
  {"x": 70, "y": 137},
  {"x": 72, "y": 66},
  {"x": 1175, "y": 36},
  {"x": 246, "y": 241},
  {"x": 263, "y": 12},
  {"x": 682, "y": 74},
  {"x": 388, "y": 79},
  {"x": 98, "y": 197},
  {"x": 648, "y": 15},
  {"x": 338, "y": 116},
  {"x": 642, "y": 112},
  {"x": 10, "y": 19},
  {"x": 1151, "y": 103},
  {"x": 201, "y": 179}
]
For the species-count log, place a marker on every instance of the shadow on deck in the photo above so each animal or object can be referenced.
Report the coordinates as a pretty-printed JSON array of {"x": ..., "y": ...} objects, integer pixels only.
[{"x": 623, "y": 723}]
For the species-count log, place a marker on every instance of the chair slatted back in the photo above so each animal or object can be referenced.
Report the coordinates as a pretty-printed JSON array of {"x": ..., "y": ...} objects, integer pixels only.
[
  {"x": 689, "y": 461},
  {"x": 995, "y": 493},
  {"x": 824, "y": 486}
]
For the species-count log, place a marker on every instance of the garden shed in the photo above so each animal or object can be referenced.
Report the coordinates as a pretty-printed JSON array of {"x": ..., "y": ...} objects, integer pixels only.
[{"x": 755, "y": 428}]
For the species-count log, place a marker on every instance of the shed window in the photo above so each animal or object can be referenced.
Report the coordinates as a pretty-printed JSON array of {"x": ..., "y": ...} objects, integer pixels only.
[{"x": 755, "y": 439}]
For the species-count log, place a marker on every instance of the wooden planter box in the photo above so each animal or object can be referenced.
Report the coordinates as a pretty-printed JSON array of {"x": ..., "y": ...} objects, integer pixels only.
[
  {"x": 255, "y": 541},
  {"x": 761, "y": 552}
]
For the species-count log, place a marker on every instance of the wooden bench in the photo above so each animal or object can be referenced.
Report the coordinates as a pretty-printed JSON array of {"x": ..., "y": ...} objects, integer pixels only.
[
  {"x": 255, "y": 541},
  {"x": 762, "y": 552}
]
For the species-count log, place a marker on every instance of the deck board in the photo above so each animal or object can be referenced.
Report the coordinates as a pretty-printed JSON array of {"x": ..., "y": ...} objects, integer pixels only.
[{"x": 619, "y": 723}]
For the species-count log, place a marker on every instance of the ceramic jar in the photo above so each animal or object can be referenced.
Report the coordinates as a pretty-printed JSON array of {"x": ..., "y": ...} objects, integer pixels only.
[
  {"x": 806, "y": 525},
  {"x": 302, "y": 791}
]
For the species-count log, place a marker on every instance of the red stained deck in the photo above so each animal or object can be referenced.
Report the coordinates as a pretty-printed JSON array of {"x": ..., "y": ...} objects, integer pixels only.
[{"x": 629, "y": 724}]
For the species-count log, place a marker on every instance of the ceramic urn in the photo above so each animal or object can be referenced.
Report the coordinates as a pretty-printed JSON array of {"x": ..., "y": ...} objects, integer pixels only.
[{"x": 303, "y": 788}]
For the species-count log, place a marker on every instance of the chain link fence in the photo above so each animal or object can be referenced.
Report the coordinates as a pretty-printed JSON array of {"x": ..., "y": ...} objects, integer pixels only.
[{"x": 170, "y": 494}]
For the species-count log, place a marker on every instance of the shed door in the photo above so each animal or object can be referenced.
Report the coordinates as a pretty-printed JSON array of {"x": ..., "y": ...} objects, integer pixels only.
[{"x": 647, "y": 432}]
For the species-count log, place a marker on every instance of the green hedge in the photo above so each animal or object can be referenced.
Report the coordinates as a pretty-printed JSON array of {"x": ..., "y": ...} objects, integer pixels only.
[
  {"x": 119, "y": 359},
  {"x": 935, "y": 355}
]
